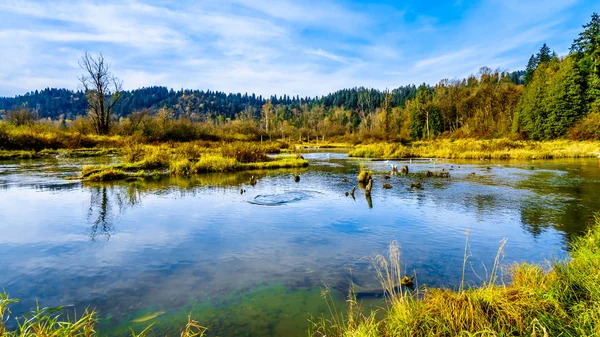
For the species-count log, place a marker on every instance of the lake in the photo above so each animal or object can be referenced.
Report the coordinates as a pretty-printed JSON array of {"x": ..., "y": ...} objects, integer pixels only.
[{"x": 256, "y": 264}]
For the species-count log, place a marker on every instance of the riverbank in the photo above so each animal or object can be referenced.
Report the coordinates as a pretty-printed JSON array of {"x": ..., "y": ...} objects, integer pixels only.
[
  {"x": 562, "y": 301},
  {"x": 480, "y": 149}
]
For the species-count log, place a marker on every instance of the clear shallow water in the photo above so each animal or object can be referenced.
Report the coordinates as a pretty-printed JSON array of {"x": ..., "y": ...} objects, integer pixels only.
[{"x": 254, "y": 263}]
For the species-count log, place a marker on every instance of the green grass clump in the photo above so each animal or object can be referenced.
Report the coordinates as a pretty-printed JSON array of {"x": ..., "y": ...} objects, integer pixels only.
[
  {"x": 106, "y": 174},
  {"x": 380, "y": 150},
  {"x": 278, "y": 162},
  {"x": 192, "y": 158},
  {"x": 12, "y": 155},
  {"x": 248, "y": 152},
  {"x": 49, "y": 153},
  {"x": 563, "y": 301},
  {"x": 53, "y": 322},
  {"x": 214, "y": 163}
]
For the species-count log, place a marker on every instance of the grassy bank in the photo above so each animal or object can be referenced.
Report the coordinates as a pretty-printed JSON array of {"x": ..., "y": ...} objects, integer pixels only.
[
  {"x": 192, "y": 158},
  {"x": 564, "y": 301},
  {"x": 480, "y": 149},
  {"x": 40, "y": 137}
]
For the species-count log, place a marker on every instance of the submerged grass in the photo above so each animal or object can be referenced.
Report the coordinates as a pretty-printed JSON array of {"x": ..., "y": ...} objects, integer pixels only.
[
  {"x": 564, "y": 301},
  {"x": 48, "y": 322},
  {"x": 481, "y": 149}
]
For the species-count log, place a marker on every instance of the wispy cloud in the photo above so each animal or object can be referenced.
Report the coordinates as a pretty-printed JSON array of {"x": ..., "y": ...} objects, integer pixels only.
[
  {"x": 275, "y": 47},
  {"x": 331, "y": 56}
]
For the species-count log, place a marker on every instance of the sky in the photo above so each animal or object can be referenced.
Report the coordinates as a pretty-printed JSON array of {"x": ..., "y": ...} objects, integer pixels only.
[{"x": 267, "y": 47}]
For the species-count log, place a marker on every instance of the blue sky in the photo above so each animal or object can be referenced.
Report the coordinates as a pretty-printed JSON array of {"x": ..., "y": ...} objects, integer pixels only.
[{"x": 277, "y": 46}]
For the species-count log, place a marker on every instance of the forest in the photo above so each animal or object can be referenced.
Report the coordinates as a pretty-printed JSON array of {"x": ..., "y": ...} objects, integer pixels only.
[{"x": 554, "y": 97}]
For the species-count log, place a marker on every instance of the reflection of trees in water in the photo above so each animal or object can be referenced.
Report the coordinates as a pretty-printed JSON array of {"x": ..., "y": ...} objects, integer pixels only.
[
  {"x": 568, "y": 208},
  {"x": 101, "y": 211}
]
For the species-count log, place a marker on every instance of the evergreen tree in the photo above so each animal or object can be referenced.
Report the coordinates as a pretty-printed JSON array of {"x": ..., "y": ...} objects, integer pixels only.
[
  {"x": 543, "y": 55},
  {"x": 586, "y": 48},
  {"x": 531, "y": 66},
  {"x": 565, "y": 100},
  {"x": 588, "y": 41},
  {"x": 530, "y": 114}
]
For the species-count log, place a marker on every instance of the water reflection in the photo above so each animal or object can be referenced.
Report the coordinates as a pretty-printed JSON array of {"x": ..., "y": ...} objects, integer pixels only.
[{"x": 195, "y": 244}]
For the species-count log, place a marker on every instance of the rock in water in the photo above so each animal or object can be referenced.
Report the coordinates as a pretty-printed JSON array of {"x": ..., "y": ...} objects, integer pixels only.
[
  {"x": 404, "y": 169},
  {"x": 387, "y": 186},
  {"x": 407, "y": 281},
  {"x": 296, "y": 178}
]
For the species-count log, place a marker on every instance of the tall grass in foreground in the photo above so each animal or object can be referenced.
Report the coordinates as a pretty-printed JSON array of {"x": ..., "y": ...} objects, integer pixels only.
[
  {"x": 49, "y": 322},
  {"x": 481, "y": 149},
  {"x": 564, "y": 301}
]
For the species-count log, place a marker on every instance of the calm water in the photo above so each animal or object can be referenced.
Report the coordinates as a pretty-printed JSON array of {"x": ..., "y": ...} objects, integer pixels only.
[{"x": 254, "y": 263}]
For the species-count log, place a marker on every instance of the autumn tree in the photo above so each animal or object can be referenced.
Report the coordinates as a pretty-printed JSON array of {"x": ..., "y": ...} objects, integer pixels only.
[
  {"x": 20, "y": 115},
  {"x": 102, "y": 91}
]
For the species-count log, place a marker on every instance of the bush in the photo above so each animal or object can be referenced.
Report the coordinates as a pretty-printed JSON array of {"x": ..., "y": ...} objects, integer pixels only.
[
  {"x": 20, "y": 116},
  {"x": 588, "y": 128}
]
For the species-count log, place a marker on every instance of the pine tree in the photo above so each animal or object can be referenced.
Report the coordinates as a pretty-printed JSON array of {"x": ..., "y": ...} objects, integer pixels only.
[
  {"x": 531, "y": 114},
  {"x": 531, "y": 66},
  {"x": 543, "y": 55},
  {"x": 586, "y": 48},
  {"x": 565, "y": 101},
  {"x": 588, "y": 41}
]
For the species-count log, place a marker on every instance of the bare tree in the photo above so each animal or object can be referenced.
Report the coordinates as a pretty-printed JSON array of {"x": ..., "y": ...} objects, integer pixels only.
[
  {"x": 102, "y": 90},
  {"x": 20, "y": 115}
]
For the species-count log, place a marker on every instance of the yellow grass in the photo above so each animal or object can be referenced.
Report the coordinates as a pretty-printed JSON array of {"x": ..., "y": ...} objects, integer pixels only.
[{"x": 481, "y": 149}]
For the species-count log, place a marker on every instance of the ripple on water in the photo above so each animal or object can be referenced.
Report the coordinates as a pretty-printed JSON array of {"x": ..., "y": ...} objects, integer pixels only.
[{"x": 284, "y": 198}]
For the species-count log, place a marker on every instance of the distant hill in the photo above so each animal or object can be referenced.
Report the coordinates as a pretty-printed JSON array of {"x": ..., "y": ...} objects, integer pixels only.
[{"x": 53, "y": 103}]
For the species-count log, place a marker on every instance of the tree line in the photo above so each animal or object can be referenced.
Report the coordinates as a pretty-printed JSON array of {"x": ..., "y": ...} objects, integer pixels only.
[{"x": 553, "y": 97}]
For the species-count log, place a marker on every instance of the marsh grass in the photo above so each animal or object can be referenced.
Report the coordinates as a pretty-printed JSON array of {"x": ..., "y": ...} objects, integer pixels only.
[
  {"x": 562, "y": 301},
  {"x": 38, "y": 137},
  {"x": 381, "y": 150},
  {"x": 61, "y": 153},
  {"x": 481, "y": 149},
  {"x": 192, "y": 158}
]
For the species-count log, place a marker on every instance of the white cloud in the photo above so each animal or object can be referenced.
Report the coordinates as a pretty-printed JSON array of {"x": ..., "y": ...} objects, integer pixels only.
[
  {"x": 331, "y": 56},
  {"x": 267, "y": 46}
]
